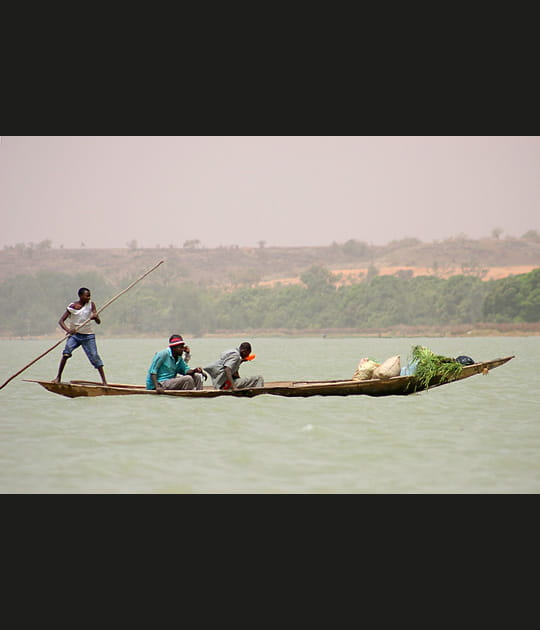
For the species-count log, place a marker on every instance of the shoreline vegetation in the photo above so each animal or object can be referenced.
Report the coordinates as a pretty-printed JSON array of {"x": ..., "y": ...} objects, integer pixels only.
[{"x": 452, "y": 288}]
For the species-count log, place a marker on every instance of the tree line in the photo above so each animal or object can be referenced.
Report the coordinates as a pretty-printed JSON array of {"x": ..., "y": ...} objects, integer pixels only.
[{"x": 32, "y": 304}]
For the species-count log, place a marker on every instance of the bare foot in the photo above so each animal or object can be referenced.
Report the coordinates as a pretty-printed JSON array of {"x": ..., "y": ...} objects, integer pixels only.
[{"x": 56, "y": 380}]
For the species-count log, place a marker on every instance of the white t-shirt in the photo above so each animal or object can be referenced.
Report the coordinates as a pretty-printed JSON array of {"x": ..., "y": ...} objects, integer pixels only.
[{"x": 79, "y": 316}]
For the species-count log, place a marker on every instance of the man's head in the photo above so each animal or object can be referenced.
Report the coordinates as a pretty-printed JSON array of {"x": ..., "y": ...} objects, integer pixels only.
[
  {"x": 84, "y": 294},
  {"x": 176, "y": 344},
  {"x": 245, "y": 349}
]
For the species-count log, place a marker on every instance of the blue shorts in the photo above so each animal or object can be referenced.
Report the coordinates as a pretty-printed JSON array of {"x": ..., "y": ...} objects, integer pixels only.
[{"x": 88, "y": 342}]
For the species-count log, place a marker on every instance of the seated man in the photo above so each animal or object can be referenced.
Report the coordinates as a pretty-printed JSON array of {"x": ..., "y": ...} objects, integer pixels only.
[
  {"x": 224, "y": 371},
  {"x": 169, "y": 370}
]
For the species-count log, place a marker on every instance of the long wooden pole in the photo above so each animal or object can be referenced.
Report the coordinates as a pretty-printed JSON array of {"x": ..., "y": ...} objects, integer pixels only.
[{"x": 80, "y": 325}]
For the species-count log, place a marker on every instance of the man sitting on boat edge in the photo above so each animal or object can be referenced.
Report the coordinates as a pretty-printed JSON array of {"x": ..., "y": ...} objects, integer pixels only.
[
  {"x": 169, "y": 370},
  {"x": 224, "y": 371}
]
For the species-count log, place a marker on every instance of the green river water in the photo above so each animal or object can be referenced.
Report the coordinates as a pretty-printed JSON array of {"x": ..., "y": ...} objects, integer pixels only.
[{"x": 481, "y": 435}]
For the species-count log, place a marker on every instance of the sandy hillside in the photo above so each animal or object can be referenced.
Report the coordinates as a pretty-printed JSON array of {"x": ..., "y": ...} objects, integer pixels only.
[{"x": 351, "y": 276}]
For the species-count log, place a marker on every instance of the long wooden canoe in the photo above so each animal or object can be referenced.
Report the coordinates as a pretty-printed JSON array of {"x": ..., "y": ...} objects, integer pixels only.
[{"x": 395, "y": 386}]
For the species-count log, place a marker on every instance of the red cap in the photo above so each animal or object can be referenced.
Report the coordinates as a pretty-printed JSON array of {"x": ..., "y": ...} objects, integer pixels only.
[{"x": 176, "y": 340}]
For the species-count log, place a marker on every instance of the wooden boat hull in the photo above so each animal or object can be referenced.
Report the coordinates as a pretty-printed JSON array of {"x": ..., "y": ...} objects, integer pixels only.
[{"x": 396, "y": 386}]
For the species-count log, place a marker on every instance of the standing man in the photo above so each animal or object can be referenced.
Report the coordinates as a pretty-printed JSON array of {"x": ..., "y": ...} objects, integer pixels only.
[
  {"x": 169, "y": 370},
  {"x": 224, "y": 371},
  {"x": 77, "y": 313}
]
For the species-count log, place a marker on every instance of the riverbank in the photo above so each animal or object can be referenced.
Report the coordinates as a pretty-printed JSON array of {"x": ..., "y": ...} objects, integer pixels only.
[
  {"x": 464, "y": 330},
  {"x": 461, "y": 330}
]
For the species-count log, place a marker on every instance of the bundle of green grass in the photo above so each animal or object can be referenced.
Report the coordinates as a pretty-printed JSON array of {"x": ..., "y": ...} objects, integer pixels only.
[{"x": 430, "y": 365}]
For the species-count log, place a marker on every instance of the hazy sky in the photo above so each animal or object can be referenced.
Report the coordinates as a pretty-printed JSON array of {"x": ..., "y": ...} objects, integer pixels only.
[{"x": 106, "y": 191}]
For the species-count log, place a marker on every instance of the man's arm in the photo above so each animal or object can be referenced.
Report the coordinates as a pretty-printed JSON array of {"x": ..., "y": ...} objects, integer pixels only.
[
  {"x": 61, "y": 322},
  {"x": 95, "y": 316},
  {"x": 154, "y": 370},
  {"x": 230, "y": 378},
  {"x": 187, "y": 354},
  {"x": 231, "y": 368},
  {"x": 157, "y": 384},
  {"x": 184, "y": 369}
]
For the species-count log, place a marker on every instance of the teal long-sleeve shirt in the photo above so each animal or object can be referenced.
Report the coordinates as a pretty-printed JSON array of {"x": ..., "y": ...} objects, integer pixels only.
[{"x": 165, "y": 366}]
